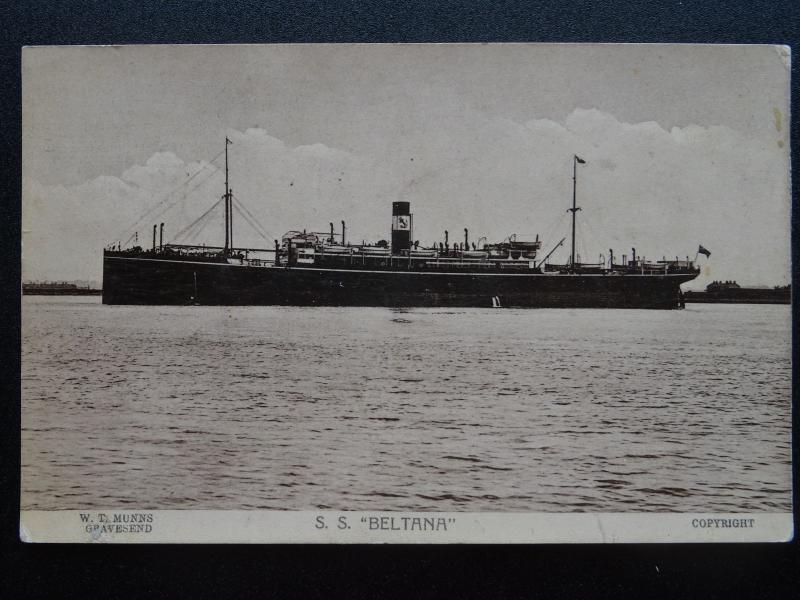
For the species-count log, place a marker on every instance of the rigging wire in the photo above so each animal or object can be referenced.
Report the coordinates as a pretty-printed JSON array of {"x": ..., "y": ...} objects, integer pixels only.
[
  {"x": 192, "y": 234},
  {"x": 197, "y": 226},
  {"x": 189, "y": 234},
  {"x": 594, "y": 234},
  {"x": 185, "y": 231},
  {"x": 556, "y": 224},
  {"x": 252, "y": 224},
  {"x": 243, "y": 207},
  {"x": 169, "y": 206},
  {"x": 202, "y": 182},
  {"x": 251, "y": 220},
  {"x": 587, "y": 239},
  {"x": 580, "y": 246},
  {"x": 125, "y": 245},
  {"x": 148, "y": 213},
  {"x": 584, "y": 240},
  {"x": 200, "y": 230}
]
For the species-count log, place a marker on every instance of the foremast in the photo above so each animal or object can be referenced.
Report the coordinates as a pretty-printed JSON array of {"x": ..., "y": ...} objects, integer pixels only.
[{"x": 228, "y": 198}]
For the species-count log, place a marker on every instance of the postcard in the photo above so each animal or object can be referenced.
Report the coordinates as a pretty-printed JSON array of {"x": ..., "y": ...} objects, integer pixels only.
[{"x": 406, "y": 293}]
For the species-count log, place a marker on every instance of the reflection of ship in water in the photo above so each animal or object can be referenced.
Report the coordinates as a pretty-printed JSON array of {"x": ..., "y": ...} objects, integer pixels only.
[
  {"x": 310, "y": 268},
  {"x": 58, "y": 288},
  {"x": 731, "y": 292}
]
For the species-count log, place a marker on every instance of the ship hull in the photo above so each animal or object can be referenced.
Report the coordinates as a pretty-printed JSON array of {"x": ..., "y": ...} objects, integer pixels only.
[{"x": 157, "y": 281}]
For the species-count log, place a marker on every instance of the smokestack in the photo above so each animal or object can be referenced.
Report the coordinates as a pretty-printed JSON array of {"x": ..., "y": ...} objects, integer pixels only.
[
  {"x": 331, "y": 232},
  {"x": 466, "y": 238},
  {"x": 344, "y": 228},
  {"x": 401, "y": 227},
  {"x": 633, "y": 255},
  {"x": 155, "y": 227},
  {"x": 611, "y": 260},
  {"x": 161, "y": 238}
]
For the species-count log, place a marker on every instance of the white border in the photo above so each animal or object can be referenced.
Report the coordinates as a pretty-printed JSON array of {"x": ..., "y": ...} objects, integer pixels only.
[{"x": 346, "y": 527}]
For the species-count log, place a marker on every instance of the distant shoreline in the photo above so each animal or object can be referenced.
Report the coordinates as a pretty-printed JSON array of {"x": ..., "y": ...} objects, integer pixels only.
[
  {"x": 740, "y": 296},
  {"x": 690, "y": 297},
  {"x": 61, "y": 292}
]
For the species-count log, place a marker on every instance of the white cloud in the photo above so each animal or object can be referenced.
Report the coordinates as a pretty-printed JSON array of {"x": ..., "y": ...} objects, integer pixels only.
[{"x": 158, "y": 172}]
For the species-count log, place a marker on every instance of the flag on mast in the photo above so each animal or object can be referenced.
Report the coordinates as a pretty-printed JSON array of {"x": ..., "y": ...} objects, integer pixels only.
[
  {"x": 580, "y": 160},
  {"x": 702, "y": 250}
]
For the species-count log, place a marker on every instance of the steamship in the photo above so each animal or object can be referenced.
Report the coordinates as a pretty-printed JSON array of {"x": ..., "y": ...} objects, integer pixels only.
[{"x": 307, "y": 268}]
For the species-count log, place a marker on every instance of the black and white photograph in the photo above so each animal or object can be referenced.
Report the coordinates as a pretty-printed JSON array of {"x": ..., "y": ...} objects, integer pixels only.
[{"x": 406, "y": 293}]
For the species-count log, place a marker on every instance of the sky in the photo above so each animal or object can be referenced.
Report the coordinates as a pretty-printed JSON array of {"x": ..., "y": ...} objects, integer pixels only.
[{"x": 684, "y": 145}]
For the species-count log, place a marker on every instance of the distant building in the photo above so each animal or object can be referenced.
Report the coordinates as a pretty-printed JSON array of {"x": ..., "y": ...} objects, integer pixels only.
[{"x": 716, "y": 286}]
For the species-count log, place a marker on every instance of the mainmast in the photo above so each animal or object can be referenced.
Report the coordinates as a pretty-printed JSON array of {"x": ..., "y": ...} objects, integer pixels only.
[{"x": 575, "y": 160}]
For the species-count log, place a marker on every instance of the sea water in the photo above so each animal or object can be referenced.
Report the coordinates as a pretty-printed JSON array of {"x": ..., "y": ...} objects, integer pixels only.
[{"x": 417, "y": 409}]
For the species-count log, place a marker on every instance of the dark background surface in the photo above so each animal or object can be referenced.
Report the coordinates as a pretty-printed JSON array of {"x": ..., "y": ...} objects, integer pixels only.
[{"x": 759, "y": 571}]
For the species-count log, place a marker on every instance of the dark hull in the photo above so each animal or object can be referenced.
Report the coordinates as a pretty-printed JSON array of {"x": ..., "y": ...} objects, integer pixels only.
[{"x": 156, "y": 281}]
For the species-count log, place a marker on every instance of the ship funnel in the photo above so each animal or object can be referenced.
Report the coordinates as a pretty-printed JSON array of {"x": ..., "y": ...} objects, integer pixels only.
[{"x": 401, "y": 226}]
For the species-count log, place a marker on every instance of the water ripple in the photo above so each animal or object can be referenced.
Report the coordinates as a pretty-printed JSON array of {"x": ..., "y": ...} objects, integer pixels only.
[{"x": 416, "y": 409}]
